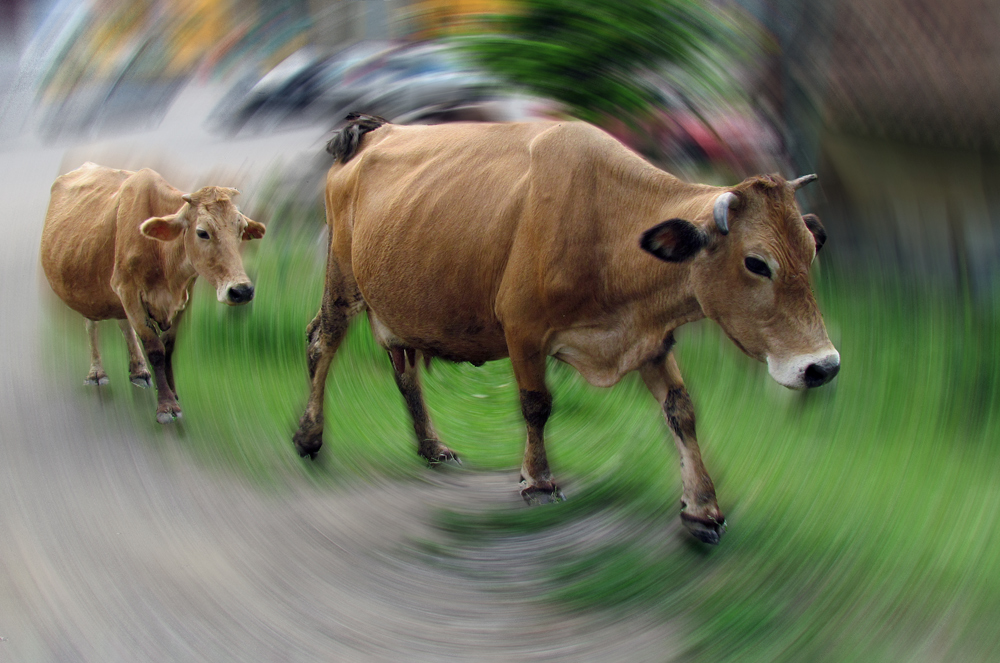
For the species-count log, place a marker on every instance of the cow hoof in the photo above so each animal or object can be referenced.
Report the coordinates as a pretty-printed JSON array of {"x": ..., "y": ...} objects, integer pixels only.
[
  {"x": 97, "y": 380},
  {"x": 439, "y": 454},
  {"x": 544, "y": 492},
  {"x": 443, "y": 457},
  {"x": 167, "y": 413},
  {"x": 706, "y": 530},
  {"x": 143, "y": 381},
  {"x": 307, "y": 445}
]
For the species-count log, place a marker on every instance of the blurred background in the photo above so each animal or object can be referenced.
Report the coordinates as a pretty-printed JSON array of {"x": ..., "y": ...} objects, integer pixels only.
[{"x": 863, "y": 516}]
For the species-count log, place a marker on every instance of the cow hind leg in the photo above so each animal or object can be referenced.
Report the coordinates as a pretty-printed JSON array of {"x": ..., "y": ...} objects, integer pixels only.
[
  {"x": 405, "y": 368},
  {"x": 96, "y": 376},
  {"x": 138, "y": 372},
  {"x": 323, "y": 336}
]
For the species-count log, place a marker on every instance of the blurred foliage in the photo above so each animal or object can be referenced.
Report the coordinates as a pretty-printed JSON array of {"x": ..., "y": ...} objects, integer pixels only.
[{"x": 602, "y": 58}]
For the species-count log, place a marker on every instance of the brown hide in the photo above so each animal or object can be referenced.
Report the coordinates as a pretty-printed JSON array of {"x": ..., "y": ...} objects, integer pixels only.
[
  {"x": 78, "y": 240},
  {"x": 460, "y": 236}
]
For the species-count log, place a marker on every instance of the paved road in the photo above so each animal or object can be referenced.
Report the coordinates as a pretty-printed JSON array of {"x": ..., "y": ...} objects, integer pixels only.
[{"x": 117, "y": 547}]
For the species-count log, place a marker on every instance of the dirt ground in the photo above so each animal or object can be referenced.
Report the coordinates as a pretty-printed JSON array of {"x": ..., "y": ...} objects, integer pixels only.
[{"x": 118, "y": 548}]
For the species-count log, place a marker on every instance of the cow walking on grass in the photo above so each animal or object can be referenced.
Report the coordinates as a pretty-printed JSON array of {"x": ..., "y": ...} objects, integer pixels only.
[
  {"x": 128, "y": 246},
  {"x": 475, "y": 242}
]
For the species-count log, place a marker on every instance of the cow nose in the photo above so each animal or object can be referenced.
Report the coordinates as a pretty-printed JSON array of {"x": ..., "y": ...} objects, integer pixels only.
[
  {"x": 240, "y": 294},
  {"x": 822, "y": 372}
]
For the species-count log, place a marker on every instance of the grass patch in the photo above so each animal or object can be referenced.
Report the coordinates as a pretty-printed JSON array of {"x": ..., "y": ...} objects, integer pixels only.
[{"x": 862, "y": 515}]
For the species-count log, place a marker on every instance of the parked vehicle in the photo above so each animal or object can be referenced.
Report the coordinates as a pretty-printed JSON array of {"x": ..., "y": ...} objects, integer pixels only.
[{"x": 373, "y": 78}]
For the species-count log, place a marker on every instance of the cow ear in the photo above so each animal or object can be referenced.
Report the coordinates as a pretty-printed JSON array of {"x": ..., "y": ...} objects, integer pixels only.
[
  {"x": 253, "y": 230},
  {"x": 675, "y": 240},
  {"x": 163, "y": 228},
  {"x": 816, "y": 228}
]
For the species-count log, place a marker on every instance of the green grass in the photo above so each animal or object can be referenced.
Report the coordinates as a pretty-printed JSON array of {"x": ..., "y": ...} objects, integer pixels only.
[{"x": 862, "y": 516}]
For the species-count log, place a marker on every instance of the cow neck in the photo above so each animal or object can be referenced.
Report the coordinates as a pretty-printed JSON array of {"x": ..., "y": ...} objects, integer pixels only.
[{"x": 177, "y": 267}]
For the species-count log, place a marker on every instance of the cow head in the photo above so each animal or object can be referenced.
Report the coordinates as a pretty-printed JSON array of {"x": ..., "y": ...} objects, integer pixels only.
[
  {"x": 749, "y": 267},
  {"x": 212, "y": 229}
]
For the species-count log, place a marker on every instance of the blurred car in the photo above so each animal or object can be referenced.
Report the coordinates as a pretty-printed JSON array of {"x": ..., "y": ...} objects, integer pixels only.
[{"x": 393, "y": 82}]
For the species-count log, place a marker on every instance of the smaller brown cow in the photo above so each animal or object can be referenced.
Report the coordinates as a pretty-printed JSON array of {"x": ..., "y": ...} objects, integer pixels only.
[{"x": 128, "y": 246}]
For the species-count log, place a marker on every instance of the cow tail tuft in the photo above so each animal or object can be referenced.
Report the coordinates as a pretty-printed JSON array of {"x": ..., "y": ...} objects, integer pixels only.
[{"x": 344, "y": 144}]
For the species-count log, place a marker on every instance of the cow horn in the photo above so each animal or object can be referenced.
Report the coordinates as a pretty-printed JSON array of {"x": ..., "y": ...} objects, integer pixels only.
[
  {"x": 188, "y": 198},
  {"x": 802, "y": 181},
  {"x": 723, "y": 204}
]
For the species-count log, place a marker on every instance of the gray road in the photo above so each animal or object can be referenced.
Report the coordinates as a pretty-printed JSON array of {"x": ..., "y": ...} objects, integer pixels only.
[{"x": 117, "y": 547}]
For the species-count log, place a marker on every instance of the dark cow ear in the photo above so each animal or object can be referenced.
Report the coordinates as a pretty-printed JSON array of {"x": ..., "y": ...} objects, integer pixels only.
[
  {"x": 165, "y": 229},
  {"x": 675, "y": 240},
  {"x": 816, "y": 228},
  {"x": 253, "y": 230}
]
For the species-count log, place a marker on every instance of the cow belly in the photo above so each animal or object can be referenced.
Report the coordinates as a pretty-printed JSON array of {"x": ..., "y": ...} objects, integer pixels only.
[
  {"x": 442, "y": 317},
  {"x": 454, "y": 338},
  {"x": 79, "y": 270},
  {"x": 430, "y": 293}
]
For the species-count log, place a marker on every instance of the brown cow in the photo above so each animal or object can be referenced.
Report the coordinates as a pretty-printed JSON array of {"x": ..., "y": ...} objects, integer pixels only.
[
  {"x": 474, "y": 242},
  {"x": 129, "y": 246}
]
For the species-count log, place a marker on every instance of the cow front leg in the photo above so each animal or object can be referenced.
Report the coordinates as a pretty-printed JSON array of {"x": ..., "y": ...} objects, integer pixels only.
[
  {"x": 167, "y": 408},
  {"x": 537, "y": 485},
  {"x": 699, "y": 507},
  {"x": 96, "y": 375},
  {"x": 138, "y": 373},
  {"x": 405, "y": 369},
  {"x": 169, "y": 340}
]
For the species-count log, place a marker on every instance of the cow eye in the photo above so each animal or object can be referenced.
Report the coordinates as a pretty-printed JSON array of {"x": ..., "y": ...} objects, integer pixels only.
[
  {"x": 757, "y": 266},
  {"x": 202, "y": 233}
]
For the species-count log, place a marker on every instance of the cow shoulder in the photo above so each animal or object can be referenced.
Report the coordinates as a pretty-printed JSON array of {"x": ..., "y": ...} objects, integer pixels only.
[
  {"x": 139, "y": 259},
  {"x": 559, "y": 244}
]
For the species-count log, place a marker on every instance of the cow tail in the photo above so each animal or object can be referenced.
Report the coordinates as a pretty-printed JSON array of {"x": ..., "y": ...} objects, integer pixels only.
[{"x": 344, "y": 144}]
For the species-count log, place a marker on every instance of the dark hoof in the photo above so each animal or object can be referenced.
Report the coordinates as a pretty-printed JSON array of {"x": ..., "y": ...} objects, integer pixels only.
[
  {"x": 140, "y": 380},
  {"x": 167, "y": 412},
  {"x": 167, "y": 417},
  {"x": 438, "y": 454},
  {"x": 97, "y": 380},
  {"x": 444, "y": 457},
  {"x": 706, "y": 530},
  {"x": 544, "y": 492},
  {"x": 307, "y": 445}
]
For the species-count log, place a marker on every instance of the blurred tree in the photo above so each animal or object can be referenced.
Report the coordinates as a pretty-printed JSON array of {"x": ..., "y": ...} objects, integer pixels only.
[{"x": 606, "y": 58}]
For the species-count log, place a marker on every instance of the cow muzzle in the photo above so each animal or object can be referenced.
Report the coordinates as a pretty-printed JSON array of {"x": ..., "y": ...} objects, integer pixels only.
[
  {"x": 805, "y": 371},
  {"x": 236, "y": 294}
]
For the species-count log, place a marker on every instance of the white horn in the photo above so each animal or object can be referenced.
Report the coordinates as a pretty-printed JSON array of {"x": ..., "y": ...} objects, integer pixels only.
[
  {"x": 802, "y": 181},
  {"x": 723, "y": 204}
]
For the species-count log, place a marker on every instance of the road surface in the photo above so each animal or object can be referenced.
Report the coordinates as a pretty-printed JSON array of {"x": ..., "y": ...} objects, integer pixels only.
[{"x": 117, "y": 547}]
